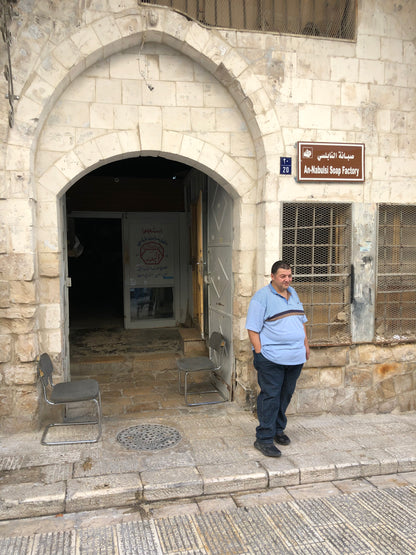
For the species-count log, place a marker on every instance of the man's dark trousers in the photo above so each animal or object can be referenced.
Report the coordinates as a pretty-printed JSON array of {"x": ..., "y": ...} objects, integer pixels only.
[{"x": 277, "y": 383}]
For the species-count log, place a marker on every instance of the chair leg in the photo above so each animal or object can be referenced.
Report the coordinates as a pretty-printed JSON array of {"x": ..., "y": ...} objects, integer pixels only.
[
  {"x": 180, "y": 381},
  {"x": 98, "y": 422},
  {"x": 223, "y": 399}
]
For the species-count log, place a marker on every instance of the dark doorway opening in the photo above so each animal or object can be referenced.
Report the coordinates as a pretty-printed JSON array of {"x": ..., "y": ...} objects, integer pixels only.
[
  {"x": 95, "y": 259},
  {"x": 96, "y": 292}
]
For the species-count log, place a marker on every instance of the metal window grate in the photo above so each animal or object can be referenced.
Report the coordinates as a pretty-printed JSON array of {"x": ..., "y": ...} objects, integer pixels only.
[
  {"x": 325, "y": 18},
  {"x": 317, "y": 243},
  {"x": 396, "y": 274}
]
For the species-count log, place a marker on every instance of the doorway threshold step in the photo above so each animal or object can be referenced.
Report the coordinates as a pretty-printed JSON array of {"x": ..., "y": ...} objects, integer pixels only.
[
  {"x": 93, "y": 366},
  {"x": 192, "y": 342}
]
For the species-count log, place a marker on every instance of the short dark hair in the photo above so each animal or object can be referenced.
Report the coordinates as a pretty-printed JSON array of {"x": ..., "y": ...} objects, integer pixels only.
[{"x": 280, "y": 264}]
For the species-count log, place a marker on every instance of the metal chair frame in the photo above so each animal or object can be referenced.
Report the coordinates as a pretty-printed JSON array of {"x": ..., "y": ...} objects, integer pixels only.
[
  {"x": 66, "y": 393},
  {"x": 192, "y": 365}
]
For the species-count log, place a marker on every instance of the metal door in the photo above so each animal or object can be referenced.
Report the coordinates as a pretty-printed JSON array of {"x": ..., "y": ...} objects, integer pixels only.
[
  {"x": 197, "y": 260},
  {"x": 65, "y": 283},
  {"x": 220, "y": 285}
]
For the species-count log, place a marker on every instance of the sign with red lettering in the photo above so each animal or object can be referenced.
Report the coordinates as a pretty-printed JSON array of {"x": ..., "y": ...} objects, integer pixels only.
[{"x": 331, "y": 162}]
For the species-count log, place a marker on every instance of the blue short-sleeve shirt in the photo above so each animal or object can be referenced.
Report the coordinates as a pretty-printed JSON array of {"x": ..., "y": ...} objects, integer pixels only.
[{"x": 280, "y": 324}]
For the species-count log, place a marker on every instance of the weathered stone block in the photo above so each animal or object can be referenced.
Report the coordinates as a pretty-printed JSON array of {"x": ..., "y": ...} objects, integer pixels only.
[
  {"x": 171, "y": 482},
  {"x": 23, "y": 292},
  {"x": 21, "y": 325},
  {"x": 308, "y": 379},
  {"x": 405, "y": 352},
  {"x": 244, "y": 370},
  {"x": 326, "y": 357},
  {"x": 330, "y": 377},
  {"x": 49, "y": 316},
  {"x": 23, "y": 374},
  {"x": 49, "y": 264},
  {"x": 103, "y": 491},
  {"x": 21, "y": 239},
  {"x": 309, "y": 117},
  {"x": 26, "y": 347},
  {"x": 370, "y": 354},
  {"x": 51, "y": 341},
  {"x": 26, "y": 402},
  {"x": 244, "y": 284},
  {"x": 5, "y": 348},
  {"x": 374, "y": 68},
  {"x": 49, "y": 291},
  {"x": 4, "y": 294},
  {"x": 282, "y": 472},
  {"x": 6, "y": 402},
  {"x": 31, "y": 499},
  {"x": 4, "y": 239},
  {"x": 406, "y": 401},
  {"x": 385, "y": 390},
  {"x": 386, "y": 370},
  {"x": 244, "y": 396},
  {"x": 310, "y": 401},
  {"x": 368, "y": 47},
  {"x": 403, "y": 383},
  {"x": 18, "y": 266},
  {"x": 240, "y": 305},
  {"x": 17, "y": 311},
  {"x": 387, "y": 406},
  {"x": 225, "y": 478},
  {"x": 358, "y": 377}
]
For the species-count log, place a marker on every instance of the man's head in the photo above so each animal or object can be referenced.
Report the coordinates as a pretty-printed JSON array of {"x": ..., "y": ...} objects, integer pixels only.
[{"x": 281, "y": 275}]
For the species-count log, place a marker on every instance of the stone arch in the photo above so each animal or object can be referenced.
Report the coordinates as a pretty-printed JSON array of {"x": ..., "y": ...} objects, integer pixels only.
[
  {"x": 212, "y": 161},
  {"x": 95, "y": 42}
]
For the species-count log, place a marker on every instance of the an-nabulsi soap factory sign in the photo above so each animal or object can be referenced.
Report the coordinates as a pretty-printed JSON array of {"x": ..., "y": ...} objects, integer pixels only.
[{"x": 330, "y": 162}]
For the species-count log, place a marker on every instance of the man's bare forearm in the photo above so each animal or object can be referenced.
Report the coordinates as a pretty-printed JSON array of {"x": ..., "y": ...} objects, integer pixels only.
[{"x": 255, "y": 340}]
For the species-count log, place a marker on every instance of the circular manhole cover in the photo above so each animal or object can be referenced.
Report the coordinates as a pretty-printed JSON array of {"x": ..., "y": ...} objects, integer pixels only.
[{"x": 149, "y": 437}]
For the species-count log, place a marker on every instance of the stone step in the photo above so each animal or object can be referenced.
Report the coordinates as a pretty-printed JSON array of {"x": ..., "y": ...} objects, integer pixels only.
[
  {"x": 192, "y": 342},
  {"x": 101, "y": 367},
  {"x": 128, "y": 383}
]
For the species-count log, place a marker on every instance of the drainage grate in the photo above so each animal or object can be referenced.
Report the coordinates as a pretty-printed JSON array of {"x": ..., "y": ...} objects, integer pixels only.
[{"x": 149, "y": 437}]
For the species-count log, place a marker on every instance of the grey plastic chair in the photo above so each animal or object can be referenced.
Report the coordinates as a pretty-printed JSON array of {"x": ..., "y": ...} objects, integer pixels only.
[
  {"x": 66, "y": 393},
  {"x": 192, "y": 365}
]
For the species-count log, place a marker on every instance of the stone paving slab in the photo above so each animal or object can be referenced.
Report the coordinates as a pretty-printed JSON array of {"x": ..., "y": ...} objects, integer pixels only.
[
  {"x": 215, "y": 456},
  {"x": 111, "y": 490},
  {"x": 171, "y": 483},
  {"x": 241, "y": 476},
  {"x": 31, "y": 499},
  {"x": 281, "y": 472}
]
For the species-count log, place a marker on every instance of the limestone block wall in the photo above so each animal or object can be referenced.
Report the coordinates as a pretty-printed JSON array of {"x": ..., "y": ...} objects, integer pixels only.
[{"x": 103, "y": 80}]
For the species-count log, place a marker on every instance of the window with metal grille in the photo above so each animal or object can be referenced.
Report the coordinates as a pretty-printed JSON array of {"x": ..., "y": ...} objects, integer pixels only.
[
  {"x": 317, "y": 244},
  {"x": 396, "y": 274},
  {"x": 325, "y": 18}
]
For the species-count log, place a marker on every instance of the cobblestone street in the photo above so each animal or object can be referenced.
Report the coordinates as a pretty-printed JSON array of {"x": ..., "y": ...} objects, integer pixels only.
[{"x": 373, "y": 520}]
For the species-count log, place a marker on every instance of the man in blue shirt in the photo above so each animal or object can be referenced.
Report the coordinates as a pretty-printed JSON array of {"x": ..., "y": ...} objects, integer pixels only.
[{"x": 276, "y": 328}]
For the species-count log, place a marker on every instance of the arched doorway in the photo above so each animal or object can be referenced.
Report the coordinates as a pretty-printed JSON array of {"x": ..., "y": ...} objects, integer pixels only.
[
  {"x": 149, "y": 249},
  {"x": 105, "y": 211}
]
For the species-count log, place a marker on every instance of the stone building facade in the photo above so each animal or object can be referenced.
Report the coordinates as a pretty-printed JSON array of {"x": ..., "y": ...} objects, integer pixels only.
[{"x": 102, "y": 81}]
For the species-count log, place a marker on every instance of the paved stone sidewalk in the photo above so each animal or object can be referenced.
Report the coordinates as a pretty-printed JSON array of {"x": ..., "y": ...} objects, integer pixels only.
[
  {"x": 214, "y": 457},
  {"x": 373, "y": 520}
]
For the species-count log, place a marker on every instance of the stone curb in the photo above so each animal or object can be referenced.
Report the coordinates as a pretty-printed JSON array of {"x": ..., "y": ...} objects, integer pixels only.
[{"x": 130, "y": 489}]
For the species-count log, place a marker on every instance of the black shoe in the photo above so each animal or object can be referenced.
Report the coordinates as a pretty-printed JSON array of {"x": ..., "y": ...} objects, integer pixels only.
[
  {"x": 268, "y": 449},
  {"x": 282, "y": 439}
]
